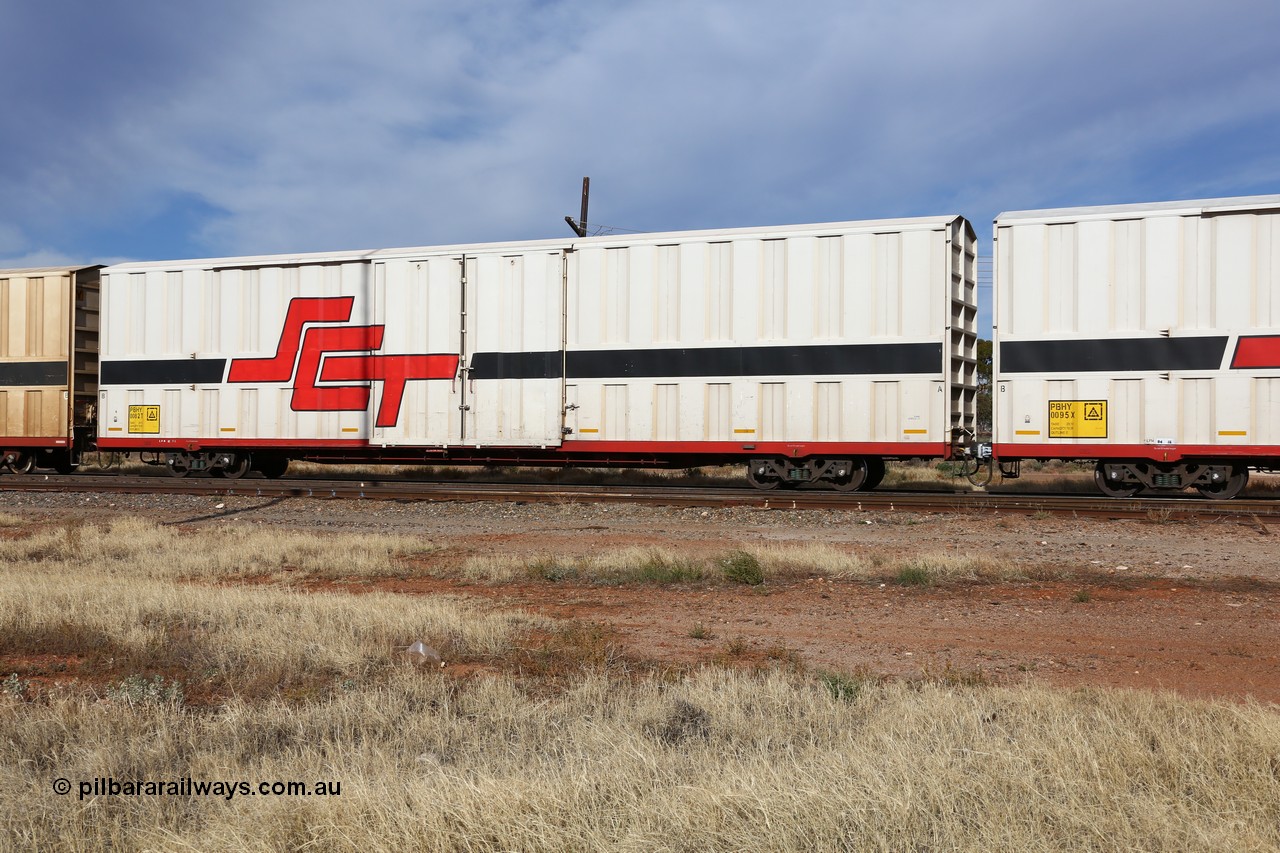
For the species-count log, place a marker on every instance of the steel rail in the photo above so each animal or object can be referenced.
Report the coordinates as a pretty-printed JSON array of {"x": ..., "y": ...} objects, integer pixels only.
[{"x": 1182, "y": 507}]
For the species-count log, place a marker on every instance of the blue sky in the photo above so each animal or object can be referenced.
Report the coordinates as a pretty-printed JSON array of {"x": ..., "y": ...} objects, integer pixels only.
[{"x": 153, "y": 129}]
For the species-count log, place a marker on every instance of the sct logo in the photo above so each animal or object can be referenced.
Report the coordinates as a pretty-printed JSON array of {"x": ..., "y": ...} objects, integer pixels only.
[{"x": 305, "y": 358}]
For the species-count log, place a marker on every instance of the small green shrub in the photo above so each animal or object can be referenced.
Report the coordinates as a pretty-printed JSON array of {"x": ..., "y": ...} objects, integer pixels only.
[
  {"x": 657, "y": 569},
  {"x": 137, "y": 690},
  {"x": 15, "y": 687},
  {"x": 842, "y": 688},
  {"x": 915, "y": 573},
  {"x": 549, "y": 569},
  {"x": 741, "y": 567}
]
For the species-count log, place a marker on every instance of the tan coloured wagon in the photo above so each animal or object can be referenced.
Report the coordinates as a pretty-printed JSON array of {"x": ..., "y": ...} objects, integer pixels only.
[{"x": 48, "y": 366}]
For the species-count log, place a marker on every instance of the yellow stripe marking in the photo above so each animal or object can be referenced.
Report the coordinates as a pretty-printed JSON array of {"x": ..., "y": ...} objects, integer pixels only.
[
  {"x": 1233, "y": 432},
  {"x": 115, "y": 429},
  {"x": 744, "y": 431},
  {"x": 1026, "y": 432},
  {"x": 228, "y": 429},
  {"x": 588, "y": 430},
  {"x": 915, "y": 432},
  {"x": 351, "y": 429}
]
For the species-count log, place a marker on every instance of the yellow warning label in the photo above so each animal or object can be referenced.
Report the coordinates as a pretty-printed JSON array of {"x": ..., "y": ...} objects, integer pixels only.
[
  {"x": 144, "y": 419},
  {"x": 1077, "y": 419}
]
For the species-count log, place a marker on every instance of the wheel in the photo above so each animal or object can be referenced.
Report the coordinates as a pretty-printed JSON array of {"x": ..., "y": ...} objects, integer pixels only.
[
  {"x": 240, "y": 465},
  {"x": 758, "y": 476},
  {"x": 271, "y": 467},
  {"x": 1112, "y": 487},
  {"x": 179, "y": 466},
  {"x": 22, "y": 463},
  {"x": 855, "y": 478},
  {"x": 1227, "y": 488},
  {"x": 875, "y": 473}
]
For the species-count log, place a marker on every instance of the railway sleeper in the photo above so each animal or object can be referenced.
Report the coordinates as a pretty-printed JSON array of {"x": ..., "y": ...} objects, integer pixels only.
[{"x": 1214, "y": 480}]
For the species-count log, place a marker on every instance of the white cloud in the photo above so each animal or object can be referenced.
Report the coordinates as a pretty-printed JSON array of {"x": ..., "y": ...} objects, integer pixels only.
[
  {"x": 318, "y": 125},
  {"x": 37, "y": 258}
]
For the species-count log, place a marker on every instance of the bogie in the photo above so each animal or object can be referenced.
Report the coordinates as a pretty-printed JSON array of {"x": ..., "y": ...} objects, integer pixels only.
[
  {"x": 1216, "y": 480},
  {"x": 850, "y": 474}
]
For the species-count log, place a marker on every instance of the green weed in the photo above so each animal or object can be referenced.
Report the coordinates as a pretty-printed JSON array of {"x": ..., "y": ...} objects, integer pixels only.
[{"x": 741, "y": 567}]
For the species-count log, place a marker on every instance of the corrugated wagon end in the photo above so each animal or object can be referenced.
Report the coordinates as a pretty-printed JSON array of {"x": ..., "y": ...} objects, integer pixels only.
[
  {"x": 48, "y": 367},
  {"x": 962, "y": 340}
]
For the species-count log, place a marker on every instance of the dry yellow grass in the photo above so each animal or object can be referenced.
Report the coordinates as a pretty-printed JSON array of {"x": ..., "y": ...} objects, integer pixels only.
[
  {"x": 121, "y": 597},
  {"x": 776, "y": 561},
  {"x": 925, "y": 476},
  {"x": 714, "y": 760},
  {"x": 621, "y": 565},
  {"x": 718, "y": 761},
  {"x": 806, "y": 559},
  {"x": 141, "y": 548},
  {"x": 252, "y": 639}
]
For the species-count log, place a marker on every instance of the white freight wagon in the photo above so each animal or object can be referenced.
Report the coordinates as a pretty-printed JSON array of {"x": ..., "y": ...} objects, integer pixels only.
[
  {"x": 48, "y": 366},
  {"x": 812, "y": 352},
  {"x": 1143, "y": 336}
]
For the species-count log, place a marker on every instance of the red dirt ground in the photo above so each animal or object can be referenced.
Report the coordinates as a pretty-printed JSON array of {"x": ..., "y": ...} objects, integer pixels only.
[
  {"x": 1198, "y": 639},
  {"x": 1188, "y": 607}
]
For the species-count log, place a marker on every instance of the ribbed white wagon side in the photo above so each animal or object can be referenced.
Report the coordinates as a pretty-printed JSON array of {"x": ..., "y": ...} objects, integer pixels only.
[
  {"x": 1144, "y": 336},
  {"x": 811, "y": 352}
]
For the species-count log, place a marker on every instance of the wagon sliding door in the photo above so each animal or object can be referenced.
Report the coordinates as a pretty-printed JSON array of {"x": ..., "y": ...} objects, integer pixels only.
[
  {"x": 418, "y": 303},
  {"x": 514, "y": 347}
]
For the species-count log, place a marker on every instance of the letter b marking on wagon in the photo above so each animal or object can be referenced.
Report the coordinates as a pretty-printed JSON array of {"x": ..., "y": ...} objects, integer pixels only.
[{"x": 309, "y": 353}]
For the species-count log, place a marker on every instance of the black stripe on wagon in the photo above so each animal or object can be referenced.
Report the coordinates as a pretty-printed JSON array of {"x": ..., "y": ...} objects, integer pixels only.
[
  {"x": 173, "y": 371},
  {"x": 516, "y": 365},
  {"x": 18, "y": 373},
  {"x": 1112, "y": 355},
  {"x": 819, "y": 360}
]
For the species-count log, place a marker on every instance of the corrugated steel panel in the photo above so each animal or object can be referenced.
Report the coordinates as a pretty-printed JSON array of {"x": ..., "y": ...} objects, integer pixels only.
[
  {"x": 760, "y": 300},
  {"x": 1143, "y": 309},
  {"x": 48, "y": 352},
  {"x": 515, "y": 305}
]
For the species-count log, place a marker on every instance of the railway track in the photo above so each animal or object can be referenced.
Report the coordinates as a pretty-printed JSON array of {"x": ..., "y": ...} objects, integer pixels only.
[{"x": 1182, "y": 507}]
